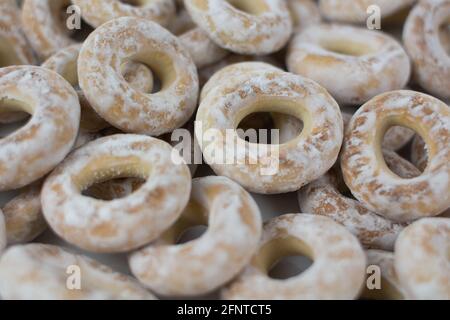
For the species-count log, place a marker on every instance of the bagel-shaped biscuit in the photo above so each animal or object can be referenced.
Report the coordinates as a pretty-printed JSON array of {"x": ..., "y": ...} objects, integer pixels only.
[
  {"x": 100, "y": 78},
  {"x": 355, "y": 11},
  {"x": 226, "y": 248},
  {"x": 390, "y": 286},
  {"x": 422, "y": 259},
  {"x": 322, "y": 197},
  {"x": 304, "y": 13},
  {"x": 38, "y": 271},
  {"x": 353, "y": 64},
  {"x": 64, "y": 62},
  {"x": 97, "y": 12},
  {"x": 35, "y": 149},
  {"x": 246, "y": 26},
  {"x": 431, "y": 60},
  {"x": 337, "y": 272},
  {"x": 123, "y": 224},
  {"x": 293, "y": 164},
  {"x": 364, "y": 168},
  {"x": 45, "y": 27},
  {"x": 23, "y": 215}
]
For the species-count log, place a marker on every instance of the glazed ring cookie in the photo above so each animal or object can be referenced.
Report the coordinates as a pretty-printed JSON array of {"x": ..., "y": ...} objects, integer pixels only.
[
  {"x": 23, "y": 215},
  {"x": 64, "y": 62},
  {"x": 390, "y": 286},
  {"x": 323, "y": 197},
  {"x": 100, "y": 78},
  {"x": 395, "y": 138},
  {"x": 422, "y": 261},
  {"x": 32, "y": 151},
  {"x": 366, "y": 173},
  {"x": 355, "y": 11},
  {"x": 428, "y": 53},
  {"x": 202, "y": 49},
  {"x": 232, "y": 238},
  {"x": 266, "y": 168},
  {"x": 304, "y": 13},
  {"x": 245, "y": 27},
  {"x": 123, "y": 224},
  {"x": 38, "y": 271},
  {"x": 44, "y": 26},
  {"x": 2, "y": 233},
  {"x": 97, "y": 12},
  {"x": 337, "y": 272},
  {"x": 354, "y": 64}
]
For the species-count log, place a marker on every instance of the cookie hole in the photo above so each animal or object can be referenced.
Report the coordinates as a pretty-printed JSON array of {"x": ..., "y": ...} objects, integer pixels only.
[
  {"x": 113, "y": 189},
  {"x": 161, "y": 66},
  {"x": 290, "y": 266},
  {"x": 140, "y": 77},
  {"x": 396, "y": 151},
  {"x": 133, "y": 3},
  {"x": 253, "y": 7},
  {"x": 283, "y": 258},
  {"x": 191, "y": 234},
  {"x": 269, "y": 128},
  {"x": 444, "y": 37},
  {"x": 14, "y": 115},
  {"x": 346, "y": 47}
]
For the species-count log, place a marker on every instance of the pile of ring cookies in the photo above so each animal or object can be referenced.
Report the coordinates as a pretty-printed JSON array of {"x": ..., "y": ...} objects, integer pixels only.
[{"x": 97, "y": 88}]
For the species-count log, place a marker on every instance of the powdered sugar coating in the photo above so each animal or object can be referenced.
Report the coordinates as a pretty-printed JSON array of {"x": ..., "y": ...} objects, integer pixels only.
[
  {"x": 365, "y": 172},
  {"x": 264, "y": 30},
  {"x": 355, "y": 11},
  {"x": 97, "y": 12},
  {"x": 202, "y": 49},
  {"x": 322, "y": 197},
  {"x": 23, "y": 215},
  {"x": 304, "y": 13},
  {"x": 297, "y": 162},
  {"x": 421, "y": 37},
  {"x": 225, "y": 248},
  {"x": 338, "y": 270},
  {"x": 43, "y": 25},
  {"x": 40, "y": 272},
  {"x": 390, "y": 284},
  {"x": 64, "y": 62},
  {"x": 122, "y": 224},
  {"x": 422, "y": 260},
  {"x": 354, "y": 64},
  {"x": 35, "y": 149},
  {"x": 232, "y": 71},
  {"x": 115, "y": 100}
]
